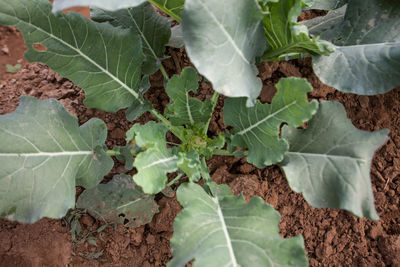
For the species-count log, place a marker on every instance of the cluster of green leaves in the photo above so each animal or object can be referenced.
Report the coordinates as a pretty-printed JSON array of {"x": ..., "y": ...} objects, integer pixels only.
[{"x": 44, "y": 153}]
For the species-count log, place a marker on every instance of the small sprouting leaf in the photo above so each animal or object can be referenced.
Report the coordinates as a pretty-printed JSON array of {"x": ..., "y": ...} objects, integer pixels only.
[
  {"x": 225, "y": 230},
  {"x": 119, "y": 201},
  {"x": 103, "y": 60},
  {"x": 156, "y": 161},
  {"x": 43, "y": 155},
  {"x": 190, "y": 164},
  {"x": 106, "y": 4},
  {"x": 186, "y": 110},
  {"x": 13, "y": 69},
  {"x": 330, "y": 161},
  {"x": 125, "y": 155},
  {"x": 285, "y": 37},
  {"x": 171, "y": 7},
  {"x": 257, "y": 128},
  {"x": 153, "y": 29},
  {"x": 223, "y": 48},
  {"x": 367, "y": 56}
]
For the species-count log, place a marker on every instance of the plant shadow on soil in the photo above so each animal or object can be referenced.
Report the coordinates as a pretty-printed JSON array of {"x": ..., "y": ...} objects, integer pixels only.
[{"x": 332, "y": 237}]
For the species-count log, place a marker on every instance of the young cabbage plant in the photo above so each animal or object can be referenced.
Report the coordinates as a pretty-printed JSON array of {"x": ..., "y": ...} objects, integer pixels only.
[{"x": 44, "y": 153}]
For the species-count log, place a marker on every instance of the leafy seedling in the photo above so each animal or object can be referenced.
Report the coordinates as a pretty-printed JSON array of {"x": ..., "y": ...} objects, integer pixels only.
[
  {"x": 45, "y": 153},
  {"x": 13, "y": 69}
]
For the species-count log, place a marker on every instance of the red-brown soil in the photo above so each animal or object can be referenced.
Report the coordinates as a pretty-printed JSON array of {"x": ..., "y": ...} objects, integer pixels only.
[{"x": 332, "y": 237}]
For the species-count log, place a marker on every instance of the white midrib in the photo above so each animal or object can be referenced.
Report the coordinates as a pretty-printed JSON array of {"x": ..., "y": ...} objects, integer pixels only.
[
  {"x": 188, "y": 109},
  {"x": 265, "y": 119},
  {"x": 222, "y": 28},
  {"x": 161, "y": 161},
  {"x": 132, "y": 92},
  {"x": 321, "y": 155},
  {"x": 143, "y": 36},
  {"x": 227, "y": 237},
  {"x": 47, "y": 154}
]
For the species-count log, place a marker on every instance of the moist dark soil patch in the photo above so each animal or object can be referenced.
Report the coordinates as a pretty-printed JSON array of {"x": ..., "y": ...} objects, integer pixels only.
[{"x": 332, "y": 237}]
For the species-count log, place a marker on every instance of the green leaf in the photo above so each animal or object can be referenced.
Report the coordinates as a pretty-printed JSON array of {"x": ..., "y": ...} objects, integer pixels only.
[
  {"x": 42, "y": 152},
  {"x": 171, "y": 7},
  {"x": 285, "y": 37},
  {"x": 330, "y": 161},
  {"x": 190, "y": 164},
  {"x": 154, "y": 163},
  {"x": 224, "y": 230},
  {"x": 106, "y": 4},
  {"x": 139, "y": 107},
  {"x": 325, "y": 4},
  {"x": 153, "y": 29},
  {"x": 119, "y": 201},
  {"x": 367, "y": 56},
  {"x": 257, "y": 128},
  {"x": 125, "y": 155},
  {"x": 186, "y": 110},
  {"x": 223, "y": 45},
  {"x": 102, "y": 60},
  {"x": 318, "y": 25},
  {"x": 13, "y": 69}
]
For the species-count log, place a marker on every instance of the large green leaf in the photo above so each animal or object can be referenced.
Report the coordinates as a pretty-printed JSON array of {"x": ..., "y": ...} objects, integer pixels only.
[
  {"x": 186, "y": 110},
  {"x": 156, "y": 161},
  {"x": 257, "y": 128},
  {"x": 285, "y": 37},
  {"x": 119, "y": 201},
  {"x": 106, "y": 4},
  {"x": 97, "y": 57},
  {"x": 330, "y": 161},
  {"x": 153, "y": 28},
  {"x": 367, "y": 56},
  {"x": 225, "y": 230},
  {"x": 222, "y": 38},
  {"x": 42, "y": 153},
  {"x": 171, "y": 7}
]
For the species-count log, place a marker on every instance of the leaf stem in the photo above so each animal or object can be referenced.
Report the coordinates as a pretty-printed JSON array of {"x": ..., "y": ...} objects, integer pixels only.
[
  {"x": 175, "y": 179},
  {"x": 214, "y": 100},
  {"x": 113, "y": 153},
  {"x": 164, "y": 72},
  {"x": 223, "y": 152}
]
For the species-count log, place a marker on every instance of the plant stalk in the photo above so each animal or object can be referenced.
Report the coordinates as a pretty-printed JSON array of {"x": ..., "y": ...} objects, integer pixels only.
[
  {"x": 164, "y": 72},
  {"x": 179, "y": 176}
]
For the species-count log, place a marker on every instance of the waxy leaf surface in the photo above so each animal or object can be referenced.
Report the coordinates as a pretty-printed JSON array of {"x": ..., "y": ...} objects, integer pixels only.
[
  {"x": 257, "y": 128},
  {"x": 186, "y": 110},
  {"x": 104, "y": 61},
  {"x": 156, "y": 161},
  {"x": 44, "y": 154},
  {"x": 105, "y": 4},
  {"x": 325, "y": 4},
  {"x": 119, "y": 201},
  {"x": 223, "y": 47},
  {"x": 367, "y": 56},
  {"x": 285, "y": 37},
  {"x": 225, "y": 230},
  {"x": 153, "y": 29},
  {"x": 330, "y": 161}
]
